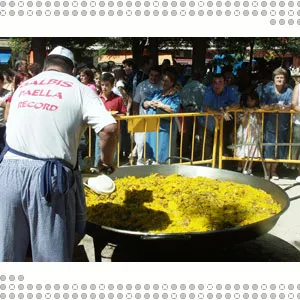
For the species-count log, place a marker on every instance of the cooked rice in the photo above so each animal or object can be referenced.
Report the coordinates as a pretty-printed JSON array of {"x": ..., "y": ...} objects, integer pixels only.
[{"x": 171, "y": 204}]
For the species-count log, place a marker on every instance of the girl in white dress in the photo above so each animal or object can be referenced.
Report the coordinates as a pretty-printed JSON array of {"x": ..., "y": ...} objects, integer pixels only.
[{"x": 249, "y": 130}]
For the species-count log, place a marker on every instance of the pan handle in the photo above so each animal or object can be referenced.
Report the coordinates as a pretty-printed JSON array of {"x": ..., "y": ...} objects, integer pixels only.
[
  {"x": 183, "y": 237},
  {"x": 291, "y": 186},
  {"x": 179, "y": 157}
]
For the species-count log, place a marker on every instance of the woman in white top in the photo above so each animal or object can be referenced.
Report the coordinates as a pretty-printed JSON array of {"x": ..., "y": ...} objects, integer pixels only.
[
  {"x": 120, "y": 88},
  {"x": 295, "y": 154}
]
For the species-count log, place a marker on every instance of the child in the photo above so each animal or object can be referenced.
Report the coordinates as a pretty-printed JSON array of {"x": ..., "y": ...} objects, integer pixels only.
[
  {"x": 112, "y": 102},
  {"x": 248, "y": 133}
]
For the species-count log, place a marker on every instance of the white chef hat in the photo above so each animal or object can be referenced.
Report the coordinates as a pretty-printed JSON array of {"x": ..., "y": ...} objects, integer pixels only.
[{"x": 62, "y": 51}]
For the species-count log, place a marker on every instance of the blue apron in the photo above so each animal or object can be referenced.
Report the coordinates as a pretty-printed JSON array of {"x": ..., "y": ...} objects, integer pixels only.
[{"x": 47, "y": 172}]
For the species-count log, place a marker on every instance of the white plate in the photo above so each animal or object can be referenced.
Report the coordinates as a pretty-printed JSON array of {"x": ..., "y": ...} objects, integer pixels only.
[{"x": 101, "y": 184}]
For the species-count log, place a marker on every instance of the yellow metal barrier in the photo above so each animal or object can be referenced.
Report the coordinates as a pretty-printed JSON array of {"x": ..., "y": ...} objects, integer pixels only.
[
  {"x": 151, "y": 123},
  {"x": 261, "y": 142}
]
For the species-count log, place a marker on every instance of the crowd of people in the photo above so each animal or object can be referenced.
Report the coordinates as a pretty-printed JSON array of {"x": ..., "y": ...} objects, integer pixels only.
[
  {"x": 155, "y": 89},
  {"x": 167, "y": 88}
]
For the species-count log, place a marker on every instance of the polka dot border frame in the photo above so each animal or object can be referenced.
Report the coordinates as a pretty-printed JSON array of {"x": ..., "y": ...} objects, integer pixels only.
[
  {"x": 17, "y": 287},
  {"x": 275, "y": 12}
]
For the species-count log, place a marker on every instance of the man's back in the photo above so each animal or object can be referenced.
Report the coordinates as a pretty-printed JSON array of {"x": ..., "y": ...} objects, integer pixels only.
[
  {"x": 42, "y": 201},
  {"x": 47, "y": 115},
  {"x": 192, "y": 94}
]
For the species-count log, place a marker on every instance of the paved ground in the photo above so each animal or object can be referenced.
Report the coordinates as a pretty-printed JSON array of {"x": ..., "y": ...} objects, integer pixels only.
[{"x": 282, "y": 243}]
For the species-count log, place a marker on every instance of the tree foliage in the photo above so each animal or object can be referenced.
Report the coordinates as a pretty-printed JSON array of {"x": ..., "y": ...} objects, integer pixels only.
[
  {"x": 78, "y": 45},
  {"x": 239, "y": 46},
  {"x": 19, "y": 46},
  {"x": 279, "y": 46},
  {"x": 235, "y": 45}
]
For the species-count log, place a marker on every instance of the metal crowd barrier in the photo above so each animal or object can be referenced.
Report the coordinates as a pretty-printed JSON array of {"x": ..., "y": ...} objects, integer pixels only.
[
  {"x": 261, "y": 143},
  {"x": 198, "y": 135},
  {"x": 151, "y": 123}
]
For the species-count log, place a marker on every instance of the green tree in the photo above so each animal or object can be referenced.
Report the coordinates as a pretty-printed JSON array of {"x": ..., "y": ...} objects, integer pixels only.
[
  {"x": 20, "y": 48},
  {"x": 39, "y": 46},
  {"x": 280, "y": 46}
]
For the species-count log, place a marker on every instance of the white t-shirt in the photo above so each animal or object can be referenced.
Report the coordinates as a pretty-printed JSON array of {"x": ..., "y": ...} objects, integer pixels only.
[
  {"x": 115, "y": 89},
  {"x": 143, "y": 92},
  {"x": 49, "y": 113}
]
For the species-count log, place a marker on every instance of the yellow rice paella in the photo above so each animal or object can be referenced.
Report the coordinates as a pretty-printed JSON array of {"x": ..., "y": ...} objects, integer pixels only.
[{"x": 170, "y": 204}]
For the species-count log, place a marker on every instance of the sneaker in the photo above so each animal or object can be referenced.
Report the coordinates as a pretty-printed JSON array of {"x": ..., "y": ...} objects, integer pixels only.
[
  {"x": 94, "y": 170},
  {"x": 298, "y": 179},
  {"x": 247, "y": 172},
  {"x": 275, "y": 177},
  {"x": 138, "y": 163}
]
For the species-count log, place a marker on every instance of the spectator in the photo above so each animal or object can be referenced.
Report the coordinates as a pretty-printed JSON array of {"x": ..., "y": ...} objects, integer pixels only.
[
  {"x": 295, "y": 155},
  {"x": 129, "y": 68},
  {"x": 144, "y": 91},
  {"x": 106, "y": 67},
  {"x": 217, "y": 99},
  {"x": 94, "y": 70},
  {"x": 142, "y": 73},
  {"x": 249, "y": 130},
  {"x": 112, "y": 65},
  {"x": 34, "y": 69},
  {"x": 191, "y": 96},
  {"x": 97, "y": 79},
  {"x": 276, "y": 95},
  {"x": 9, "y": 76},
  {"x": 21, "y": 66},
  {"x": 230, "y": 80},
  {"x": 264, "y": 77},
  {"x": 181, "y": 79},
  {"x": 3, "y": 97},
  {"x": 18, "y": 79},
  {"x": 80, "y": 66},
  {"x": 120, "y": 87},
  {"x": 99, "y": 69},
  {"x": 165, "y": 65},
  {"x": 86, "y": 76},
  {"x": 243, "y": 80},
  {"x": 166, "y": 100},
  {"x": 120, "y": 90}
]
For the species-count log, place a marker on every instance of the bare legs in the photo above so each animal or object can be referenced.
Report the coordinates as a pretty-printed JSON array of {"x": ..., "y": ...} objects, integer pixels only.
[{"x": 271, "y": 170}]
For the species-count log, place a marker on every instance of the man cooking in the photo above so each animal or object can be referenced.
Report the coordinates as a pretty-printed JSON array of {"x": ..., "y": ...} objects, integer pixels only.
[{"x": 39, "y": 184}]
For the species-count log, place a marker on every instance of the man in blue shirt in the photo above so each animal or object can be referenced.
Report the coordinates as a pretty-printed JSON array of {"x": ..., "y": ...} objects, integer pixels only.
[{"x": 217, "y": 98}]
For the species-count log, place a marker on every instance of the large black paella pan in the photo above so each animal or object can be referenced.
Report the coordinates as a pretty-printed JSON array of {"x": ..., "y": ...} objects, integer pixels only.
[{"x": 205, "y": 239}]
